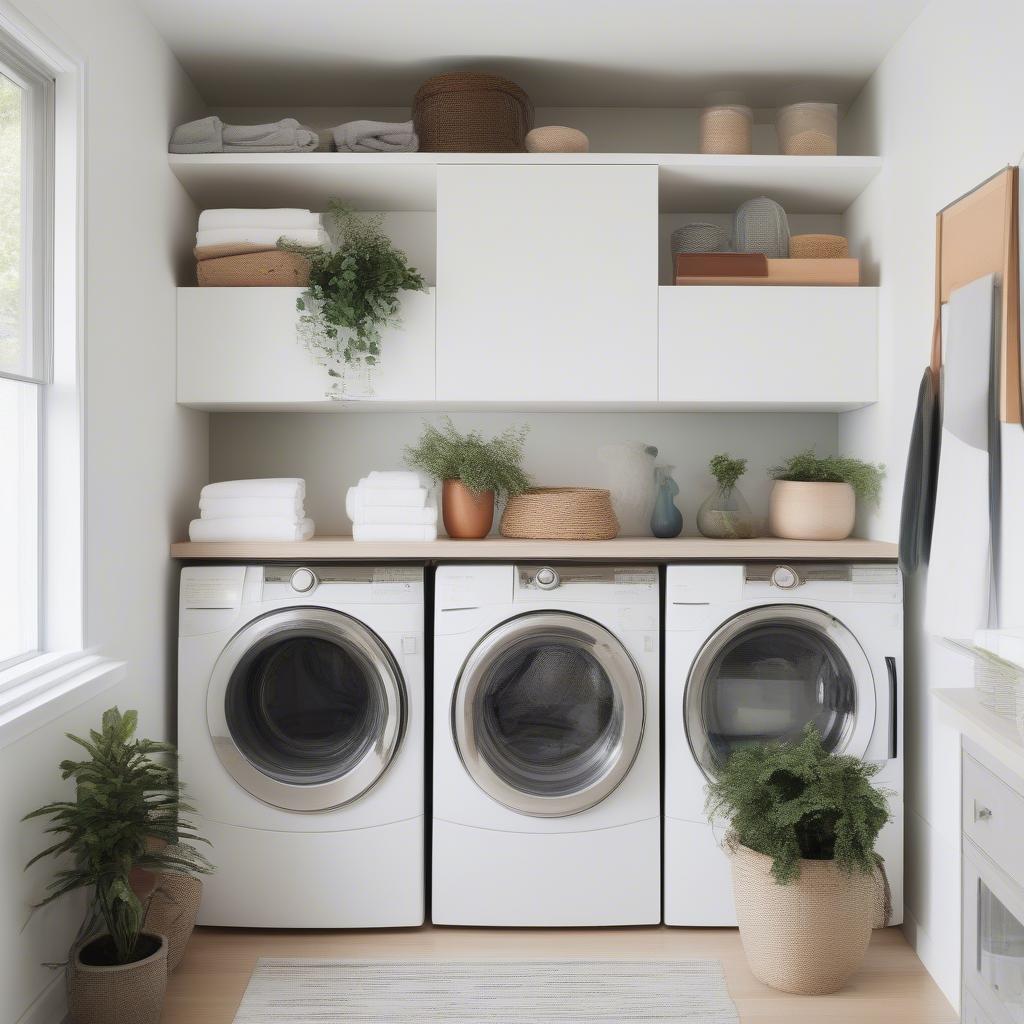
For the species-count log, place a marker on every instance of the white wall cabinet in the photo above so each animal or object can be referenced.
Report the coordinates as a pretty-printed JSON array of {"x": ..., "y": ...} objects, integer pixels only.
[
  {"x": 547, "y": 284},
  {"x": 750, "y": 347},
  {"x": 238, "y": 349}
]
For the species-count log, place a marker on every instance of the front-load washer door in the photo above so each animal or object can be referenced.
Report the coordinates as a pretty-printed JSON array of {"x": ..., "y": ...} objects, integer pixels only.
[
  {"x": 548, "y": 713},
  {"x": 766, "y": 673},
  {"x": 306, "y": 708}
]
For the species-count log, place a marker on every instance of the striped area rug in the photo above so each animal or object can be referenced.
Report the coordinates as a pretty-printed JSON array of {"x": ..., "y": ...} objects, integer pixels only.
[{"x": 522, "y": 991}]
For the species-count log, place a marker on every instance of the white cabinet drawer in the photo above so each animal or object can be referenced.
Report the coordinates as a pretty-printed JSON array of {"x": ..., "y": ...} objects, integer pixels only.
[{"x": 993, "y": 817}]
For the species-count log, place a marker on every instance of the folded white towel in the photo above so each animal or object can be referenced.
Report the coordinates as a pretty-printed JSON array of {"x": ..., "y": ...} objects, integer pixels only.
[
  {"x": 392, "y": 478},
  {"x": 359, "y": 498},
  {"x": 206, "y": 530},
  {"x": 270, "y": 487},
  {"x": 251, "y": 508},
  {"x": 402, "y": 515},
  {"x": 380, "y": 531},
  {"x": 233, "y": 218},
  {"x": 261, "y": 236}
]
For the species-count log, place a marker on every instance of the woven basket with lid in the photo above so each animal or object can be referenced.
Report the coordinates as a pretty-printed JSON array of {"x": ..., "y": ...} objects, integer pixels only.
[
  {"x": 471, "y": 112},
  {"x": 560, "y": 513}
]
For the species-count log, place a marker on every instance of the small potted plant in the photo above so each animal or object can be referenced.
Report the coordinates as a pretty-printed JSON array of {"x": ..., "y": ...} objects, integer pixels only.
[
  {"x": 806, "y": 880},
  {"x": 472, "y": 471},
  {"x": 126, "y": 815},
  {"x": 725, "y": 513},
  {"x": 815, "y": 497}
]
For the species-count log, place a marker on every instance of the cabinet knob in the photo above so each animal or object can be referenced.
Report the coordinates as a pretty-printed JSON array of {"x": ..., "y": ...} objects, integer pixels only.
[{"x": 982, "y": 813}]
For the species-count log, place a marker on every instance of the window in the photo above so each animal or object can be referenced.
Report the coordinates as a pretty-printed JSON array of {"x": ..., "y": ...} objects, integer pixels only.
[{"x": 26, "y": 290}]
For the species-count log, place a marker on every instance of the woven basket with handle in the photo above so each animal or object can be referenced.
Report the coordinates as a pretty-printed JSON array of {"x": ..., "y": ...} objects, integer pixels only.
[
  {"x": 560, "y": 513},
  {"x": 471, "y": 112}
]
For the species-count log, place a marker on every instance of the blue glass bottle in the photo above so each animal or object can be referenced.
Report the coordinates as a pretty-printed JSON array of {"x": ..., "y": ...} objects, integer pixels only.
[{"x": 666, "y": 520}]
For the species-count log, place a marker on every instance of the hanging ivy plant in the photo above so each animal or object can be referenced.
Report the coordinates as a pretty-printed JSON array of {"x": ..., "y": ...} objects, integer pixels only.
[{"x": 353, "y": 291}]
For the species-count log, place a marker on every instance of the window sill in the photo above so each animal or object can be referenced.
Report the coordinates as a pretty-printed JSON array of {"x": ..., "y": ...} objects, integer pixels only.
[{"x": 39, "y": 691}]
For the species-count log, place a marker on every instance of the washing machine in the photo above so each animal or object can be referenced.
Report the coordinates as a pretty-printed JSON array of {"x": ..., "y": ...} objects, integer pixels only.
[
  {"x": 546, "y": 790},
  {"x": 300, "y": 730},
  {"x": 753, "y": 653}
]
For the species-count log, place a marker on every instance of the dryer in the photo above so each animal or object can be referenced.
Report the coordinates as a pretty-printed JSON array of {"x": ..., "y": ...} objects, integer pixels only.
[
  {"x": 546, "y": 790},
  {"x": 300, "y": 732},
  {"x": 753, "y": 653}
]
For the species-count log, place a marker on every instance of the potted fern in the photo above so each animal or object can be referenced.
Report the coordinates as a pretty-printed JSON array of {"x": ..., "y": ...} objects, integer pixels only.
[
  {"x": 127, "y": 814},
  {"x": 725, "y": 513},
  {"x": 472, "y": 471},
  {"x": 806, "y": 879},
  {"x": 815, "y": 497}
]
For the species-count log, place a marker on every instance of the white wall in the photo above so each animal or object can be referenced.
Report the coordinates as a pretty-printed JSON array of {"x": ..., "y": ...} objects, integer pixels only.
[
  {"x": 332, "y": 450},
  {"x": 145, "y": 458},
  {"x": 944, "y": 112}
]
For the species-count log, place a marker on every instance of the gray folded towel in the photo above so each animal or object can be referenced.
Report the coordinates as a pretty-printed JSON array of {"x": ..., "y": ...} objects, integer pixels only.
[
  {"x": 375, "y": 137},
  {"x": 211, "y": 135}
]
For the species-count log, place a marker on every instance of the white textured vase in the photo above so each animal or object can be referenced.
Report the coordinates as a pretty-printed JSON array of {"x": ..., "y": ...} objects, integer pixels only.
[
  {"x": 798, "y": 510},
  {"x": 629, "y": 475}
]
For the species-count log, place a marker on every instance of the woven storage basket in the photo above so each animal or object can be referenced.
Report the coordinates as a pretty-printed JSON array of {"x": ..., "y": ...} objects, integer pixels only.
[
  {"x": 560, "y": 513},
  {"x": 760, "y": 225},
  {"x": 172, "y": 913},
  {"x": 699, "y": 237},
  {"x": 726, "y": 129},
  {"x": 273, "y": 269},
  {"x": 809, "y": 936},
  {"x": 556, "y": 138},
  {"x": 470, "y": 112},
  {"x": 818, "y": 247},
  {"x": 808, "y": 129}
]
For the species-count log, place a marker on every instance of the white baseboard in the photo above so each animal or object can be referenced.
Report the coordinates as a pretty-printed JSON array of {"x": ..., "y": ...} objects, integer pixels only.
[{"x": 51, "y": 1007}]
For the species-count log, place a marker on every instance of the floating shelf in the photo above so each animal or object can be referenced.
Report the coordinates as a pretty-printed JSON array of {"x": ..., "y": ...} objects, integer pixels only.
[
  {"x": 500, "y": 549},
  {"x": 688, "y": 182}
]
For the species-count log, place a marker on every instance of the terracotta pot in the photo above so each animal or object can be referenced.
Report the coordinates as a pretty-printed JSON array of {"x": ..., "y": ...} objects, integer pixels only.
[
  {"x": 467, "y": 514},
  {"x": 809, "y": 936},
  {"x": 122, "y": 994},
  {"x": 172, "y": 913},
  {"x": 811, "y": 511}
]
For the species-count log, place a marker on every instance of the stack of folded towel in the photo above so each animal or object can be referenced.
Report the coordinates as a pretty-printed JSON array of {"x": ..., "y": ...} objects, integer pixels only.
[
  {"x": 392, "y": 505},
  {"x": 212, "y": 135},
  {"x": 375, "y": 137},
  {"x": 252, "y": 510},
  {"x": 234, "y": 232}
]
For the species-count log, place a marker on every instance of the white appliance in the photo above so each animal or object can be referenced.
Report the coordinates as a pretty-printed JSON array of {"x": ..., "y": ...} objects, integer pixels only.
[
  {"x": 300, "y": 729},
  {"x": 753, "y": 653},
  {"x": 546, "y": 746}
]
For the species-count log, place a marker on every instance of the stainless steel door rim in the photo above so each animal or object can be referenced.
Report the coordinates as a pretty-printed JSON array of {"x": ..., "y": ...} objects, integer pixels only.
[
  {"x": 358, "y": 641},
  {"x": 605, "y": 764}
]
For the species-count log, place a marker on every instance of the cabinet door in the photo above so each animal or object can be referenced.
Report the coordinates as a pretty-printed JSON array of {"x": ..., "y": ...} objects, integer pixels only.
[{"x": 547, "y": 283}]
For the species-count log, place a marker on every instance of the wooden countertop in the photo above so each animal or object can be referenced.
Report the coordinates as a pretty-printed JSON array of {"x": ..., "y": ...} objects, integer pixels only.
[
  {"x": 500, "y": 549},
  {"x": 995, "y": 734}
]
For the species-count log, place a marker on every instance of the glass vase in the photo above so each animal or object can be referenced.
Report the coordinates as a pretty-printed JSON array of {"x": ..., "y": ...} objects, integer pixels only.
[
  {"x": 358, "y": 378},
  {"x": 725, "y": 515}
]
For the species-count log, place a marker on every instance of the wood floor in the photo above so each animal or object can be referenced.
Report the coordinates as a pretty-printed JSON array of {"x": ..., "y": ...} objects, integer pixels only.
[{"x": 891, "y": 987}]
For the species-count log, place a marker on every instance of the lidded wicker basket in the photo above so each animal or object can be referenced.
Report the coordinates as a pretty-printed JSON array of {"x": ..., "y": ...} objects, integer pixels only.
[
  {"x": 471, "y": 112},
  {"x": 818, "y": 247},
  {"x": 273, "y": 268},
  {"x": 560, "y": 513},
  {"x": 760, "y": 225},
  {"x": 726, "y": 129}
]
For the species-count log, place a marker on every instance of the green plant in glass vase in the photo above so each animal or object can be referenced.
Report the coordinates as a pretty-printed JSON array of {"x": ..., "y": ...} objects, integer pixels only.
[{"x": 725, "y": 514}]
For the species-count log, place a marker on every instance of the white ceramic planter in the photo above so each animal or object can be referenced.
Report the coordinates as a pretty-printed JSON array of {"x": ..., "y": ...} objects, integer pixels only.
[{"x": 811, "y": 511}]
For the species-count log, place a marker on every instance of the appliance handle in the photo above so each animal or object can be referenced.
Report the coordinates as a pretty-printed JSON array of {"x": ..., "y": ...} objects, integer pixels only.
[{"x": 890, "y": 664}]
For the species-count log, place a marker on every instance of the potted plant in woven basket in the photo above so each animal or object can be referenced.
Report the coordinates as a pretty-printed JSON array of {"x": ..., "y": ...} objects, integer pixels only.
[
  {"x": 807, "y": 883},
  {"x": 127, "y": 813},
  {"x": 815, "y": 497},
  {"x": 472, "y": 471}
]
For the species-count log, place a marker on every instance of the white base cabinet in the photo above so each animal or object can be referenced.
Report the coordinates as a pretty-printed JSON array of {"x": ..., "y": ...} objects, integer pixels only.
[
  {"x": 238, "y": 349},
  {"x": 767, "y": 347}
]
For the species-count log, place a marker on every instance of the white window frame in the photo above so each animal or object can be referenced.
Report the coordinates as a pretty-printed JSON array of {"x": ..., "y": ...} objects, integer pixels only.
[{"x": 63, "y": 673}]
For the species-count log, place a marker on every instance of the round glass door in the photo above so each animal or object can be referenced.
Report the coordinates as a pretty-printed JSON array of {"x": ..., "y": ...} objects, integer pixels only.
[
  {"x": 306, "y": 708},
  {"x": 548, "y": 713},
  {"x": 766, "y": 673}
]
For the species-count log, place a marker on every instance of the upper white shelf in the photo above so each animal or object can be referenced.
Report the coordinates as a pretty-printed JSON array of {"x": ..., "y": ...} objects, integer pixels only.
[{"x": 688, "y": 182}]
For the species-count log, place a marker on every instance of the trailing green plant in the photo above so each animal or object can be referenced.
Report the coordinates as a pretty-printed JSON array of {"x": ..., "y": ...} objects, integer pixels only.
[
  {"x": 353, "y": 290},
  {"x": 445, "y": 453},
  {"x": 864, "y": 477},
  {"x": 793, "y": 801},
  {"x": 127, "y": 813},
  {"x": 727, "y": 470}
]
